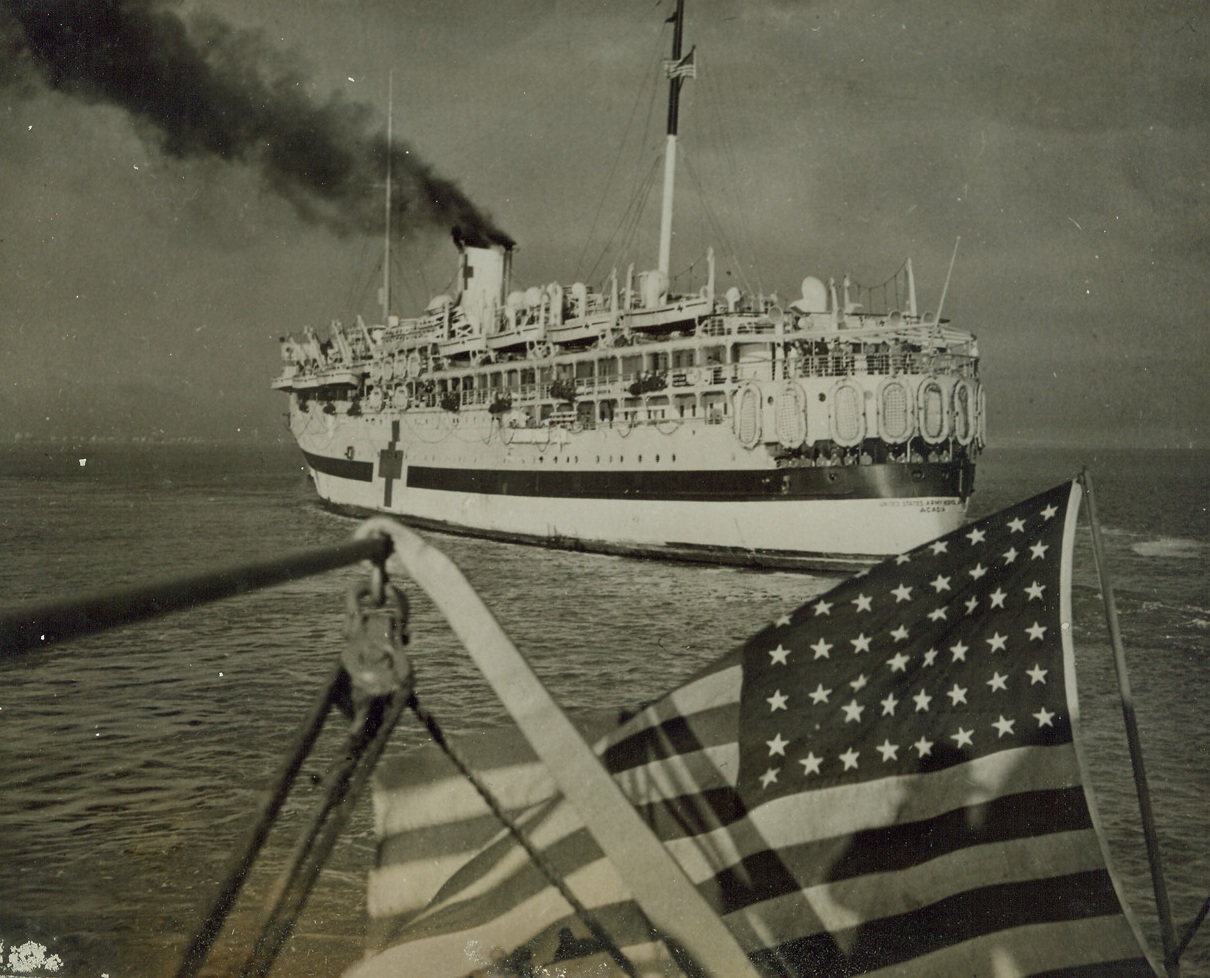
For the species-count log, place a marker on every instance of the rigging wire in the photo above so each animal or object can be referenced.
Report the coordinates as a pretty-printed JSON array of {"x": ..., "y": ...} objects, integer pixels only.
[
  {"x": 647, "y": 79},
  {"x": 724, "y": 238},
  {"x": 628, "y": 224},
  {"x": 718, "y": 109}
]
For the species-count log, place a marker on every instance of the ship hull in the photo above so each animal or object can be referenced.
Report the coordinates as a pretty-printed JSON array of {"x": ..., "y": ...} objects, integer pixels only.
[{"x": 652, "y": 491}]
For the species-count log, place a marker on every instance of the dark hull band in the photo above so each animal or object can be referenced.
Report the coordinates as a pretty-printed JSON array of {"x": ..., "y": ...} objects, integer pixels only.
[
  {"x": 342, "y": 468},
  {"x": 884, "y": 481}
]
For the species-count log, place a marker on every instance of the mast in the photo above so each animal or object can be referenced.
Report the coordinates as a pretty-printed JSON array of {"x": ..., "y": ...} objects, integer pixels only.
[
  {"x": 386, "y": 241},
  {"x": 677, "y": 70}
]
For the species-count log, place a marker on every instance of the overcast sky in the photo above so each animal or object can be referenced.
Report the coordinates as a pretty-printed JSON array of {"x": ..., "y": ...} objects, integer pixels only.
[{"x": 1066, "y": 144}]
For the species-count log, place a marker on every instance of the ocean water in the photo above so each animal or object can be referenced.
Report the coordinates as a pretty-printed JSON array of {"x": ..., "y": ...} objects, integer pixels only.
[{"x": 131, "y": 762}]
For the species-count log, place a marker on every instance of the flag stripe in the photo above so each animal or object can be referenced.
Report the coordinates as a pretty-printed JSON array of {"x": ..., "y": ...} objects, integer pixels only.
[
  {"x": 847, "y": 809},
  {"x": 881, "y": 943},
  {"x": 1046, "y": 950},
  {"x": 833, "y": 906},
  {"x": 697, "y": 699},
  {"x": 710, "y": 727},
  {"x": 409, "y": 806},
  {"x": 407, "y": 884},
  {"x": 1035, "y": 813}
]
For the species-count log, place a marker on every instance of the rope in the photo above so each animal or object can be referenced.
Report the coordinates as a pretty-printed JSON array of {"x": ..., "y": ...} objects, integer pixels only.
[
  {"x": 539, "y": 861},
  {"x": 195, "y": 955},
  {"x": 1181, "y": 945},
  {"x": 368, "y": 739}
]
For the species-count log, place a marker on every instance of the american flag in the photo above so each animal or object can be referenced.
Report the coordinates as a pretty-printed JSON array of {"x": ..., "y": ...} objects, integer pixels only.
[
  {"x": 686, "y": 67},
  {"x": 882, "y": 781}
]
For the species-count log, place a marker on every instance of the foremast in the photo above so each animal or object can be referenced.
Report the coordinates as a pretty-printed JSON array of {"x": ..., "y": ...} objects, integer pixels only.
[
  {"x": 386, "y": 238},
  {"x": 677, "y": 69}
]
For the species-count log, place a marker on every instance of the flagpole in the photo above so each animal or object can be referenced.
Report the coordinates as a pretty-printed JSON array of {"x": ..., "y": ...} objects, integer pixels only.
[
  {"x": 674, "y": 97},
  {"x": 1163, "y": 908}
]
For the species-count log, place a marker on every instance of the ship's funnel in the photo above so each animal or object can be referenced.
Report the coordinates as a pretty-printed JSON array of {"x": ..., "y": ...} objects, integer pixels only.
[{"x": 482, "y": 281}]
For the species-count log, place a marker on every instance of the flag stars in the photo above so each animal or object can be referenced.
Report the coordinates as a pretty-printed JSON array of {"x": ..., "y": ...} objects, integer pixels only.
[
  {"x": 1035, "y": 591},
  {"x": 997, "y": 597},
  {"x": 1010, "y": 555},
  {"x": 822, "y": 648},
  {"x": 940, "y": 583},
  {"x": 1037, "y": 675},
  {"x": 782, "y": 622},
  {"x": 769, "y": 777},
  {"x": 977, "y": 571},
  {"x": 898, "y": 663},
  {"x": 959, "y": 652},
  {"x": 889, "y": 751},
  {"x": 779, "y": 655},
  {"x": 962, "y": 738},
  {"x": 1035, "y": 632},
  {"x": 903, "y": 559},
  {"x": 939, "y": 547},
  {"x": 861, "y": 643},
  {"x": 971, "y": 604},
  {"x": 998, "y": 682},
  {"x": 923, "y": 747},
  {"x": 922, "y": 701},
  {"x": 863, "y": 602},
  {"x": 823, "y": 608},
  {"x": 976, "y": 536},
  {"x": 853, "y": 711},
  {"x": 1044, "y": 718},
  {"x": 777, "y": 701},
  {"x": 849, "y": 759},
  {"x": 889, "y": 704},
  {"x": 998, "y": 642},
  {"x": 859, "y": 683},
  {"x": 900, "y": 634},
  {"x": 930, "y": 657},
  {"x": 810, "y": 763},
  {"x": 820, "y": 695},
  {"x": 777, "y": 745},
  {"x": 937, "y": 614},
  {"x": 1017, "y": 525},
  {"x": 1003, "y": 727},
  {"x": 1038, "y": 550},
  {"x": 957, "y": 694},
  {"x": 1049, "y": 512},
  {"x": 902, "y": 593}
]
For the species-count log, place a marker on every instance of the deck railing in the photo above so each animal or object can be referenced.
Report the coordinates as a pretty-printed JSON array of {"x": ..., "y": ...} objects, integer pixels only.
[{"x": 38, "y": 625}]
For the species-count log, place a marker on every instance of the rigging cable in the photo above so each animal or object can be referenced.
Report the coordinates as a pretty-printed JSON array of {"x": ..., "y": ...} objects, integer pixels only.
[
  {"x": 711, "y": 93},
  {"x": 646, "y": 78}
]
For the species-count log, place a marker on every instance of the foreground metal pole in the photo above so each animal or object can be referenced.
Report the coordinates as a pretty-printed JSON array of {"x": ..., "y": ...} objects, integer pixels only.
[
  {"x": 34, "y": 626},
  {"x": 1163, "y": 908},
  {"x": 694, "y": 933}
]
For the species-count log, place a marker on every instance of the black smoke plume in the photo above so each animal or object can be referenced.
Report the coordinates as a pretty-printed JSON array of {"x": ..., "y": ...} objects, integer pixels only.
[{"x": 205, "y": 89}]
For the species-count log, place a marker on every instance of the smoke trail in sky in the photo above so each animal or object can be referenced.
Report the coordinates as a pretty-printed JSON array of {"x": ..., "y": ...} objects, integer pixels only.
[{"x": 205, "y": 89}]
